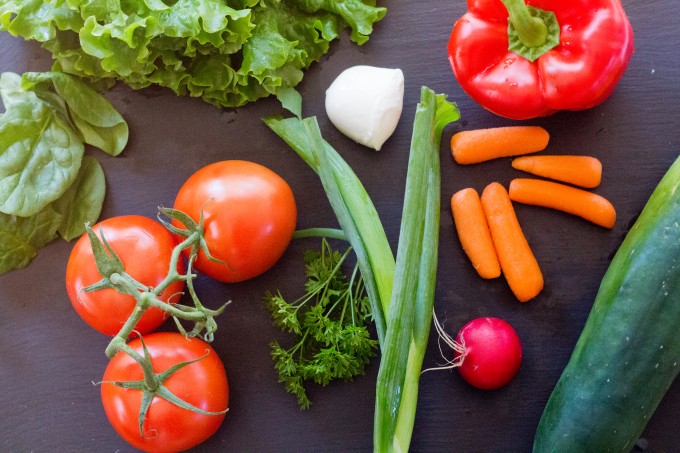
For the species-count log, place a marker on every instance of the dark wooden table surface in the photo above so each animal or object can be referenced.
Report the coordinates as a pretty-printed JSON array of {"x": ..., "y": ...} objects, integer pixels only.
[{"x": 49, "y": 357}]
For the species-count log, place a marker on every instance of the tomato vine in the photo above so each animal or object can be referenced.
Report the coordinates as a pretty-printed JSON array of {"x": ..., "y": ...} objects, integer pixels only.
[
  {"x": 112, "y": 270},
  {"x": 114, "y": 276}
]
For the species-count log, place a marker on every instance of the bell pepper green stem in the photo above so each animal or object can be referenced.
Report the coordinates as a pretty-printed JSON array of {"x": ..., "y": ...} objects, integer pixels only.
[{"x": 531, "y": 30}]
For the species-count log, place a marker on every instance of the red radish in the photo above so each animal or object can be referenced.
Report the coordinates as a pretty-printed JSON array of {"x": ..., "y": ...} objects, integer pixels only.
[{"x": 487, "y": 352}]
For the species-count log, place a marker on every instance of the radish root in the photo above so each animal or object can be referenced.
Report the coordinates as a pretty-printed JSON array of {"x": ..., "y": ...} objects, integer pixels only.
[{"x": 451, "y": 343}]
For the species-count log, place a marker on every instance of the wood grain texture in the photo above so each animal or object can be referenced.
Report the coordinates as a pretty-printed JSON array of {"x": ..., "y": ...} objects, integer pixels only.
[{"x": 49, "y": 357}]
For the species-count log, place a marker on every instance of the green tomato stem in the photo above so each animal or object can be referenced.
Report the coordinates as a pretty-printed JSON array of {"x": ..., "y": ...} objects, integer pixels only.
[
  {"x": 150, "y": 381},
  {"x": 147, "y": 297},
  {"x": 125, "y": 284},
  {"x": 173, "y": 275},
  {"x": 115, "y": 344}
]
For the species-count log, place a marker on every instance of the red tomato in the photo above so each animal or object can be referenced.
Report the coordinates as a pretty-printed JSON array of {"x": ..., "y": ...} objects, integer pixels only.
[
  {"x": 167, "y": 427},
  {"x": 145, "y": 247},
  {"x": 249, "y": 217},
  {"x": 492, "y": 353}
]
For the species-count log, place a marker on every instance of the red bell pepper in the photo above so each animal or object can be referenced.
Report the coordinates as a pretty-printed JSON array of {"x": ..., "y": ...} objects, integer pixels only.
[{"x": 524, "y": 60}]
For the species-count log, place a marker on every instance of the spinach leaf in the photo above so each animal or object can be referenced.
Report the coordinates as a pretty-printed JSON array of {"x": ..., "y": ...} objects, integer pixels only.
[
  {"x": 21, "y": 237},
  {"x": 98, "y": 123},
  {"x": 40, "y": 156},
  {"x": 82, "y": 202},
  {"x": 48, "y": 187}
]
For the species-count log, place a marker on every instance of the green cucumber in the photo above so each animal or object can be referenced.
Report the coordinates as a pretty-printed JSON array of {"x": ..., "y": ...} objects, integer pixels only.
[{"x": 629, "y": 351}]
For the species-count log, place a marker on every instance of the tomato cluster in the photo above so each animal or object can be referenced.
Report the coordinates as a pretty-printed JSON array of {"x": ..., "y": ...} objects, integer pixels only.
[{"x": 248, "y": 216}]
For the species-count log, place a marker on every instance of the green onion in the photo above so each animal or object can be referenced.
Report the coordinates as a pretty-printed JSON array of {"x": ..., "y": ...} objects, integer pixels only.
[
  {"x": 353, "y": 207},
  {"x": 401, "y": 293},
  {"x": 410, "y": 313}
]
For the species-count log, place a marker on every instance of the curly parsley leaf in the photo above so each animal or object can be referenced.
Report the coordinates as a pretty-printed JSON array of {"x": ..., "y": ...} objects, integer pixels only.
[{"x": 329, "y": 325}]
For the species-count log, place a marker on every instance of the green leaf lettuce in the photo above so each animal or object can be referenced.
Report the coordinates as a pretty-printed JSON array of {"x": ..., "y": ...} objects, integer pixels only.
[{"x": 228, "y": 52}]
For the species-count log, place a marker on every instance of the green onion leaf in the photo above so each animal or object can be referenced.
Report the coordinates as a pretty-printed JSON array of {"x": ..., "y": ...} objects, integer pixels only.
[{"x": 352, "y": 205}]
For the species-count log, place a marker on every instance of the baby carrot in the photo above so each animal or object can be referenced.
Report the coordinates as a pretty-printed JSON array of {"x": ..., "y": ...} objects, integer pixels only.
[
  {"x": 479, "y": 145},
  {"x": 562, "y": 197},
  {"x": 473, "y": 232},
  {"x": 518, "y": 263},
  {"x": 584, "y": 171}
]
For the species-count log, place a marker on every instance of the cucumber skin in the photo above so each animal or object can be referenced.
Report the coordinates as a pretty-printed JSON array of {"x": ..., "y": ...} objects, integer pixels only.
[{"x": 629, "y": 351}]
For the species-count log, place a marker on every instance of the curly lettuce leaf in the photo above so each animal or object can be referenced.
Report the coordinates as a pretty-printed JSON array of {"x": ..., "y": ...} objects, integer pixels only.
[
  {"x": 37, "y": 20},
  {"x": 228, "y": 53},
  {"x": 10, "y": 90},
  {"x": 359, "y": 15}
]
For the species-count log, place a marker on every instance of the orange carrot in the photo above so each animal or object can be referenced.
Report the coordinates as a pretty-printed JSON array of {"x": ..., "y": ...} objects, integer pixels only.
[
  {"x": 473, "y": 232},
  {"x": 518, "y": 263},
  {"x": 562, "y": 197},
  {"x": 584, "y": 171},
  {"x": 479, "y": 145}
]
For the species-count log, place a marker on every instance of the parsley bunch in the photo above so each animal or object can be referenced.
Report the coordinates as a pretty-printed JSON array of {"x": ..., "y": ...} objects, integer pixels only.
[{"x": 329, "y": 325}]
